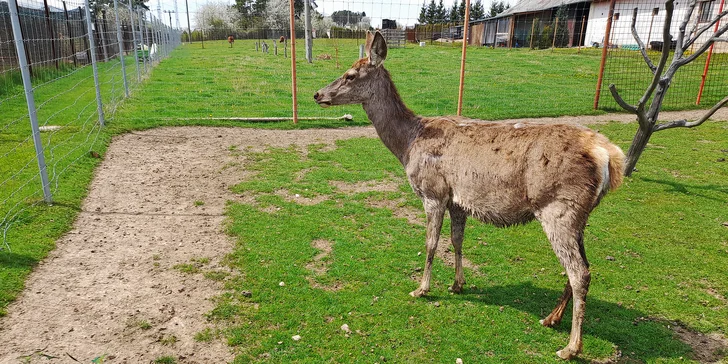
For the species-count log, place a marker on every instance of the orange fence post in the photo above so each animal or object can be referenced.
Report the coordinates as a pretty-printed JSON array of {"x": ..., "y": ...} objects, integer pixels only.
[
  {"x": 605, "y": 46},
  {"x": 462, "y": 60},
  {"x": 293, "y": 63}
]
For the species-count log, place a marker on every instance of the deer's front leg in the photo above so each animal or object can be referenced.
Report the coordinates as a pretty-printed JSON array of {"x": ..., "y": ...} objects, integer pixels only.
[
  {"x": 435, "y": 211},
  {"x": 457, "y": 232}
]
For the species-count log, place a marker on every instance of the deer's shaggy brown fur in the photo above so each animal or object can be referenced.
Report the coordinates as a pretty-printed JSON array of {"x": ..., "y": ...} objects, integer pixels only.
[{"x": 499, "y": 173}]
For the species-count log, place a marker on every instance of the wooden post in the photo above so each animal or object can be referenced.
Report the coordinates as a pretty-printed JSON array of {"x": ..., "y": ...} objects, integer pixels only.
[
  {"x": 84, "y": 35},
  {"x": 510, "y": 31},
  {"x": 49, "y": 26},
  {"x": 553, "y": 41},
  {"x": 533, "y": 26},
  {"x": 22, "y": 35},
  {"x": 649, "y": 34},
  {"x": 70, "y": 35},
  {"x": 605, "y": 46},
  {"x": 495, "y": 34},
  {"x": 581, "y": 32},
  {"x": 293, "y": 61},
  {"x": 707, "y": 59},
  {"x": 462, "y": 58}
]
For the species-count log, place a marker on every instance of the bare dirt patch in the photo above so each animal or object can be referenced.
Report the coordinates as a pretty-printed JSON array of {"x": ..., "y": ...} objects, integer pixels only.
[{"x": 109, "y": 288}]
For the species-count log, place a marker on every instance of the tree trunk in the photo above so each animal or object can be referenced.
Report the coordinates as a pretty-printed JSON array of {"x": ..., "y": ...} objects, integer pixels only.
[{"x": 641, "y": 138}]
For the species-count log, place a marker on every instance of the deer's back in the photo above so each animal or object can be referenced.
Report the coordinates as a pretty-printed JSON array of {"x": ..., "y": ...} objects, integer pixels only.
[{"x": 504, "y": 173}]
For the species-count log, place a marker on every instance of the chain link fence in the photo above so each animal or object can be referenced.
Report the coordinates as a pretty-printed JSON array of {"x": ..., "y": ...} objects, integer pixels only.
[
  {"x": 64, "y": 68},
  {"x": 701, "y": 83}
]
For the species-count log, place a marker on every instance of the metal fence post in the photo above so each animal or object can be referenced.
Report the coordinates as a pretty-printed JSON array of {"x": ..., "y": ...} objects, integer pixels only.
[
  {"x": 101, "y": 31},
  {"x": 134, "y": 39},
  {"x": 143, "y": 31},
  {"x": 30, "y": 100},
  {"x": 120, "y": 39},
  {"x": 94, "y": 65}
]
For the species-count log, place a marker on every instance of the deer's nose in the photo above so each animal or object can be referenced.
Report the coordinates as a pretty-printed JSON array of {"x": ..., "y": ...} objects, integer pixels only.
[{"x": 316, "y": 96}]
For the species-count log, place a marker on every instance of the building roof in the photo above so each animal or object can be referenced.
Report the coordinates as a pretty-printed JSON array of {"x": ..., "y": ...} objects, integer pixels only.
[{"x": 530, "y": 6}]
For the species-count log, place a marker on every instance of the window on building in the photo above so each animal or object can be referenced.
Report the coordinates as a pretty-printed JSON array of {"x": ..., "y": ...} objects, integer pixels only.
[{"x": 705, "y": 11}]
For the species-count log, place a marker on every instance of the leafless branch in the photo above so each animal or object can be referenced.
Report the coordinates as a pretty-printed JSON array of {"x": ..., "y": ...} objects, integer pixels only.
[
  {"x": 620, "y": 100},
  {"x": 704, "y": 28},
  {"x": 679, "y": 46},
  {"x": 703, "y": 47},
  {"x": 689, "y": 124},
  {"x": 669, "y": 7},
  {"x": 640, "y": 43}
]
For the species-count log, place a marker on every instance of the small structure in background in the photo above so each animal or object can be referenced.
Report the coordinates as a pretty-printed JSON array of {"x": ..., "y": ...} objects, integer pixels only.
[
  {"x": 264, "y": 47},
  {"x": 395, "y": 38}
]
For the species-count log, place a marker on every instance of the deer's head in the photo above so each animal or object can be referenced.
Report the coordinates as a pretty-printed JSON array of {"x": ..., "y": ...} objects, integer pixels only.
[{"x": 356, "y": 86}]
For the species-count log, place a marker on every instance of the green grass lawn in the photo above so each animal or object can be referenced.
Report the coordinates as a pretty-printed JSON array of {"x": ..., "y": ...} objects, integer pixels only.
[
  {"x": 657, "y": 246},
  {"x": 663, "y": 228}
]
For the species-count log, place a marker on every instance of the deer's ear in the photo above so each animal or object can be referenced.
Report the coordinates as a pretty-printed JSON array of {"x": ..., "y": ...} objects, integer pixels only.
[
  {"x": 368, "y": 44},
  {"x": 378, "y": 50}
]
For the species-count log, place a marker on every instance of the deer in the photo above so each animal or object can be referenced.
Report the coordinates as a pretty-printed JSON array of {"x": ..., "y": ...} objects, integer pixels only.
[
  {"x": 231, "y": 40},
  {"x": 499, "y": 173}
]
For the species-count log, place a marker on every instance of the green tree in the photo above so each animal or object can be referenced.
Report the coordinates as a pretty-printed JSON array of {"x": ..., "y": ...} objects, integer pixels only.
[
  {"x": 346, "y": 17},
  {"x": 478, "y": 11},
  {"x": 461, "y": 11},
  {"x": 497, "y": 7},
  {"x": 454, "y": 16},
  {"x": 431, "y": 13},
  {"x": 422, "y": 19},
  {"x": 562, "y": 32},
  {"x": 441, "y": 16}
]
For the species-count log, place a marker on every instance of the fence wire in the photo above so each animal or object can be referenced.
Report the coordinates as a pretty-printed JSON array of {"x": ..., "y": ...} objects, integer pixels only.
[
  {"x": 71, "y": 74},
  {"x": 237, "y": 63},
  {"x": 628, "y": 71}
]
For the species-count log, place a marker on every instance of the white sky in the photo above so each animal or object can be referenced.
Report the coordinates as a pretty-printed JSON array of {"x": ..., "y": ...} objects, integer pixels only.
[{"x": 405, "y": 12}]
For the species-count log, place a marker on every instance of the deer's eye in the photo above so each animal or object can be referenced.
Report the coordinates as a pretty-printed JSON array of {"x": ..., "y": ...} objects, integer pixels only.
[{"x": 350, "y": 77}]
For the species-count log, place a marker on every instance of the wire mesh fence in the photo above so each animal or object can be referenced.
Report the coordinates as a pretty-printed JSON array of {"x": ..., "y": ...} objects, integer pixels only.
[
  {"x": 700, "y": 83},
  {"x": 542, "y": 56},
  {"x": 64, "y": 67}
]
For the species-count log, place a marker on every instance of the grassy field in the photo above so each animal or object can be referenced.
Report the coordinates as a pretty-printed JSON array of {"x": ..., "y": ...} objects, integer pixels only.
[{"x": 657, "y": 246}]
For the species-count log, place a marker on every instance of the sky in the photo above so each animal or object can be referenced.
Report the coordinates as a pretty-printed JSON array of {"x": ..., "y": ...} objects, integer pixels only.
[{"x": 405, "y": 12}]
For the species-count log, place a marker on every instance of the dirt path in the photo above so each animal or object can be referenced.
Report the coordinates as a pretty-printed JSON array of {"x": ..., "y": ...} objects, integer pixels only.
[
  {"x": 109, "y": 288},
  {"x": 157, "y": 200}
]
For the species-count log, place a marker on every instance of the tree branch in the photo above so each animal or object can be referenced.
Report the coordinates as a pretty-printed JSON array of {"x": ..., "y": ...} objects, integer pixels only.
[
  {"x": 620, "y": 100},
  {"x": 681, "y": 29},
  {"x": 686, "y": 124},
  {"x": 640, "y": 43},
  {"x": 669, "y": 7},
  {"x": 704, "y": 28},
  {"x": 703, "y": 47}
]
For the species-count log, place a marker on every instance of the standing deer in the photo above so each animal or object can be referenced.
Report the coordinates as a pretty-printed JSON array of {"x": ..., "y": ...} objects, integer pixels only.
[
  {"x": 231, "y": 40},
  {"x": 500, "y": 173}
]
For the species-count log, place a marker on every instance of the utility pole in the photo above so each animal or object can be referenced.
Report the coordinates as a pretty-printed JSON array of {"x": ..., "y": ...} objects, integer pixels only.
[
  {"x": 170, "y": 17},
  {"x": 189, "y": 31},
  {"x": 307, "y": 22}
]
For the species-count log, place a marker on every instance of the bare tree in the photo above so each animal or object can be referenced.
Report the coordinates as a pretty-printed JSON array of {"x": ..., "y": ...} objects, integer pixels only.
[{"x": 648, "y": 107}]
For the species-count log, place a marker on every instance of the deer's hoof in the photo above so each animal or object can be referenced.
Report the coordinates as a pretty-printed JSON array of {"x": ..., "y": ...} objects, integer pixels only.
[
  {"x": 418, "y": 293},
  {"x": 566, "y": 353},
  {"x": 548, "y": 322},
  {"x": 455, "y": 288}
]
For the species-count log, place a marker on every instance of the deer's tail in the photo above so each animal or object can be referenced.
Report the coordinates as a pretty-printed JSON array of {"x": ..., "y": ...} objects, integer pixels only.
[
  {"x": 616, "y": 166},
  {"x": 610, "y": 163}
]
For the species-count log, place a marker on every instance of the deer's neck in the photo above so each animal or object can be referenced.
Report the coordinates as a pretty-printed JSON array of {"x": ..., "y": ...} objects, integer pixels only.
[{"x": 396, "y": 125}]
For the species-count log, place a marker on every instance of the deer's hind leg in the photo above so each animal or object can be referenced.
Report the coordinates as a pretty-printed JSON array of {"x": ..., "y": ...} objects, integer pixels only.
[
  {"x": 435, "y": 211},
  {"x": 457, "y": 231},
  {"x": 554, "y": 318},
  {"x": 564, "y": 227}
]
